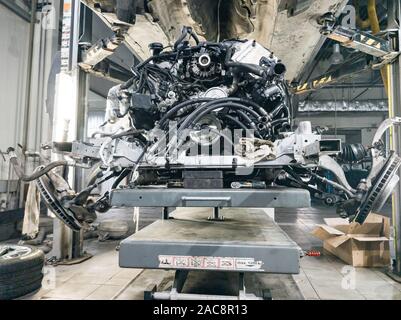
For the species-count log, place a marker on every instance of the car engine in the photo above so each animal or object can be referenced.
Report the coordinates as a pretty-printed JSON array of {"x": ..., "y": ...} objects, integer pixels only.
[{"x": 206, "y": 115}]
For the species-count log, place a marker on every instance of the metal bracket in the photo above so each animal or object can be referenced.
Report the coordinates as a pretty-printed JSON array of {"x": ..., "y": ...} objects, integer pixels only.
[
  {"x": 356, "y": 39},
  {"x": 99, "y": 51},
  {"x": 350, "y": 38},
  {"x": 387, "y": 59}
]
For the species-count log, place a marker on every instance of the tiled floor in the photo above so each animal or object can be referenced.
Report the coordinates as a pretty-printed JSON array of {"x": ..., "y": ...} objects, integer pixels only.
[
  {"x": 97, "y": 278},
  {"x": 324, "y": 277},
  {"x": 327, "y": 277}
]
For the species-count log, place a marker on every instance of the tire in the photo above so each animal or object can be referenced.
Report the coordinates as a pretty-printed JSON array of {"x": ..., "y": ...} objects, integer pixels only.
[
  {"x": 126, "y": 10},
  {"x": 20, "y": 270}
]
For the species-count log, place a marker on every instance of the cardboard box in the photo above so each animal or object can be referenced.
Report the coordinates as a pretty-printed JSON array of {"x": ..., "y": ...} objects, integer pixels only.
[{"x": 365, "y": 245}]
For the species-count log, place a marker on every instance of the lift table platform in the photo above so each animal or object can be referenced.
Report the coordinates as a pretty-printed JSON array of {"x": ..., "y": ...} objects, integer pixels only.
[{"x": 247, "y": 240}]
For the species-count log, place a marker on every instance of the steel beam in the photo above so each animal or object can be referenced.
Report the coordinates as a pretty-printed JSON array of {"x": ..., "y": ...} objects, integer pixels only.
[
  {"x": 162, "y": 197},
  {"x": 356, "y": 39},
  {"x": 102, "y": 49},
  {"x": 361, "y": 41}
]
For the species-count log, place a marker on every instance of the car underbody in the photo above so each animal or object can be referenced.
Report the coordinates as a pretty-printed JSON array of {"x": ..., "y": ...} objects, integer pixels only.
[{"x": 270, "y": 23}]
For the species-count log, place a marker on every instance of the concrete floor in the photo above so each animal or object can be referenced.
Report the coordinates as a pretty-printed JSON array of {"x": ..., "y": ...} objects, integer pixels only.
[{"x": 324, "y": 277}]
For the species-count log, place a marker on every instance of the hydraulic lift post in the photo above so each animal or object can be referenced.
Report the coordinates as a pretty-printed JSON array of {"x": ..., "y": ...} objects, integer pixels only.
[{"x": 68, "y": 246}]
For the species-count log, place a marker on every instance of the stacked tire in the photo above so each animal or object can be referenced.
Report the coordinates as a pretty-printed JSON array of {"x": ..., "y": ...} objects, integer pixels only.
[{"x": 20, "y": 270}]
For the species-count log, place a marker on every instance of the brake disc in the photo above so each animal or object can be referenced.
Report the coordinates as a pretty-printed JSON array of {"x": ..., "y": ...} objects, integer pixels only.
[
  {"x": 48, "y": 191},
  {"x": 382, "y": 188}
]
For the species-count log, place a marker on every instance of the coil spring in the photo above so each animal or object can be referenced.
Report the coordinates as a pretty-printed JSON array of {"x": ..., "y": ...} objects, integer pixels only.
[{"x": 353, "y": 153}]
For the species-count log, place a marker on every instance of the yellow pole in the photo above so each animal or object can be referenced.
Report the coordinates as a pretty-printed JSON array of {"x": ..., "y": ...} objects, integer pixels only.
[
  {"x": 375, "y": 26},
  {"x": 391, "y": 138}
]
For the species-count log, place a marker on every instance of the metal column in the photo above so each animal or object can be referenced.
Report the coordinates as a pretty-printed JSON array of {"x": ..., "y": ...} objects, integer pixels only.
[
  {"x": 69, "y": 243},
  {"x": 85, "y": 27},
  {"x": 395, "y": 110}
]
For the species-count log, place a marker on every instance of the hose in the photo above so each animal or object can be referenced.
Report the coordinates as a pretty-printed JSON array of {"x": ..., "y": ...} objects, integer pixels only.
[
  {"x": 141, "y": 156},
  {"x": 245, "y": 67},
  {"x": 236, "y": 121},
  {"x": 262, "y": 111},
  {"x": 229, "y": 54},
  {"x": 278, "y": 121},
  {"x": 82, "y": 197},
  {"x": 230, "y": 100},
  {"x": 120, "y": 178},
  {"x": 200, "y": 112},
  {"x": 277, "y": 110},
  {"x": 250, "y": 122},
  {"x": 176, "y": 108},
  {"x": 210, "y": 101},
  {"x": 186, "y": 31},
  {"x": 194, "y": 36},
  {"x": 130, "y": 132},
  {"x": 288, "y": 101},
  {"x": 198, "y": 115},
  {"x": 183, "y": 35},
  {"x": 128, "y": 83},
  {"x": 192, "y": 119},
  {"x": 37, "y": 174},
  {"x": 136, "y": 68}
]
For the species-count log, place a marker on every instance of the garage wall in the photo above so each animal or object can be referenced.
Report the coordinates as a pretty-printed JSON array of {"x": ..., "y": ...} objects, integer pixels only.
[
  {"x": 14, "y": 33},
  {"x": 14, "y": 55}
]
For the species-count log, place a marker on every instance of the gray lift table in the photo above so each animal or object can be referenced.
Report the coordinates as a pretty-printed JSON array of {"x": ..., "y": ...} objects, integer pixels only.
[{"x": 246, "y": 240}]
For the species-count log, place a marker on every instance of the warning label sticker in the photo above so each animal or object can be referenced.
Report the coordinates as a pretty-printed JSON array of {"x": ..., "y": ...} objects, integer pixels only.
[{"x": 209, "y": 263}]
